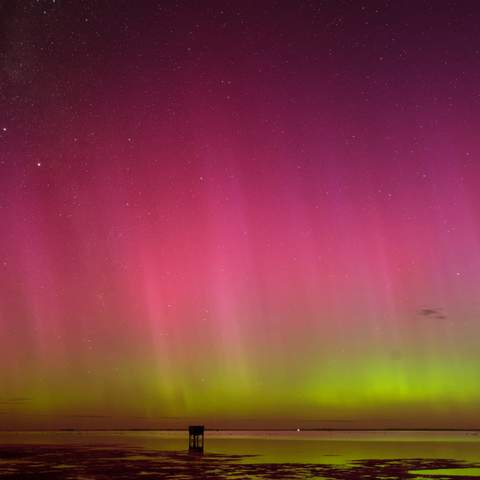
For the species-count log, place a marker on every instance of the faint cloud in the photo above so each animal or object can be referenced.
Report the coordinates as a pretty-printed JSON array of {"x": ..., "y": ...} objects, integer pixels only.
[
  {"x": 431, "y": 312},
  {"x": 15, "y": 401},
  {"x": 87, "y": 416}
]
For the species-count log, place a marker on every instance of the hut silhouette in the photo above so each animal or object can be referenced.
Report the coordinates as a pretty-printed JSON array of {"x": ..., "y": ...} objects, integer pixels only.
[{"x": 195, "y": 438}]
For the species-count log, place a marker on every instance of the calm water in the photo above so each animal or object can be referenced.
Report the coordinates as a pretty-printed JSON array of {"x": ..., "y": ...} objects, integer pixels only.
[{"x": 246, "y": 455}]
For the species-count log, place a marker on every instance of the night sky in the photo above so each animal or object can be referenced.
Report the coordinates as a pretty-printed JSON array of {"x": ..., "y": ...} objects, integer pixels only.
[{"x": 245, "y": 213}]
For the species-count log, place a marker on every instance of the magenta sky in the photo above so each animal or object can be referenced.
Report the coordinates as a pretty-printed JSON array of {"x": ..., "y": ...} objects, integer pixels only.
[{"x": 253, "y": 214}]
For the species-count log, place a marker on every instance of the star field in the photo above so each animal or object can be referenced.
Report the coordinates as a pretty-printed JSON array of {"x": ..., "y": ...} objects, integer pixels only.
[{"x": 251, "y": 214}]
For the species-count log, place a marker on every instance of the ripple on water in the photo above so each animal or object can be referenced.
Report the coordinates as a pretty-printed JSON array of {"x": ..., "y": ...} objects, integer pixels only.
[{"x": 450, "y": 472}]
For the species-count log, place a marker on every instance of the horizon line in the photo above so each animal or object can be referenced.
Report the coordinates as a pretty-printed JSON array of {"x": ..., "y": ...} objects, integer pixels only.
[{"x": 392, "y": 429}]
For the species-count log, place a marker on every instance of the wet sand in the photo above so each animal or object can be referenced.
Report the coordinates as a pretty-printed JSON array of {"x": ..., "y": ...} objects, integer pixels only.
[{"x": 74, "y": 460}]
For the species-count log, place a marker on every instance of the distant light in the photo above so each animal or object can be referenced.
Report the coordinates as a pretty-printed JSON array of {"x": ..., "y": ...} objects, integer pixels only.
[
  {"x": 298, "y": 430},
  {"x": 39, "y": 164}
]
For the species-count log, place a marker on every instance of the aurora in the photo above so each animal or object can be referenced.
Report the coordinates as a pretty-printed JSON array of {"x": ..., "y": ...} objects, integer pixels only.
[{"x": 247, "y": 216}]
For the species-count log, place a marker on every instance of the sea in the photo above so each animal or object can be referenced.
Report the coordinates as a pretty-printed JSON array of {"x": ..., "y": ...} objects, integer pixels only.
[{"x": 102, "y": 455}]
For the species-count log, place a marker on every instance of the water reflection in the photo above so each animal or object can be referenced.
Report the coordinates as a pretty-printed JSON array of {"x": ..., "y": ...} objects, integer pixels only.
[
  {"x": 240, "y": 455},
  {"x": 109, "y": 462}
]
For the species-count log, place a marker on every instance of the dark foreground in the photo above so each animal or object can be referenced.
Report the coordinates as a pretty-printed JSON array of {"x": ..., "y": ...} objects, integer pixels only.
[{"x": 109, "y": 462}]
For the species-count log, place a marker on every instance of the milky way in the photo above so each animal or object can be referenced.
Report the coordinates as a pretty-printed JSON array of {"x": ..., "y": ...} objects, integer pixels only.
[{"x": 250, "y": 214}]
